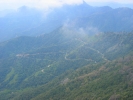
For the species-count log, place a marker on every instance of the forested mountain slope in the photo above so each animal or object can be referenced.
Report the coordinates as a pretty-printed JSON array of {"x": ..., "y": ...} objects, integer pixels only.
[
  {"x": 65, "y": 66},
  {"x": 103, "y": 81}
]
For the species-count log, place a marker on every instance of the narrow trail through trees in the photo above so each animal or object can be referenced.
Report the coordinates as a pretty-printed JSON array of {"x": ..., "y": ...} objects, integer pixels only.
[
  {"x": 66, "y": 54},
  {"x": 84, "y": 43}
]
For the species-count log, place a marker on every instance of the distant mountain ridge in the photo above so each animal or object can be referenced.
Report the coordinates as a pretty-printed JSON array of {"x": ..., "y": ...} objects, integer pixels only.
[
  {"x": 31, "y": 22},
  {"x": 75, "y": 52}
]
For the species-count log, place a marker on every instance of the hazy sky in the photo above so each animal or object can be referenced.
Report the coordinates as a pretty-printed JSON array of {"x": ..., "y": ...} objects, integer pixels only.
[{"x": 13, "y": 4}]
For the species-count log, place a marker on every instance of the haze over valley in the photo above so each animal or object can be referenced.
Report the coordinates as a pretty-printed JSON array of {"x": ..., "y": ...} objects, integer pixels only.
[{"x": 70, "y": 52}]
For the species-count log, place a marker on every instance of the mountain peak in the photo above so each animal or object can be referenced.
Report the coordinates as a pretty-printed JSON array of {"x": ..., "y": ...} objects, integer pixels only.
[
  {"x": 23, "y": 8},
  {"x": 84, "y": 2}
]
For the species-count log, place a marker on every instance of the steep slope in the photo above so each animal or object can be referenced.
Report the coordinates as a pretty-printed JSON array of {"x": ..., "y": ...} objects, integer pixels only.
[
  {"x": 103, "y": 81},
  {"x": 114, "y": 20},
  {"x": 29, "y": 63}
]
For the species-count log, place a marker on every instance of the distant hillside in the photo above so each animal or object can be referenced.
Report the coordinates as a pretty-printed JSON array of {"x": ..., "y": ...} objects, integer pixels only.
[{"x": 32, "y": 22}]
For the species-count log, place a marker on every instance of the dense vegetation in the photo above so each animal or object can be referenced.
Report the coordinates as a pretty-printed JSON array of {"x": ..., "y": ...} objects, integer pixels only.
[{"x": 56, "y": 66}]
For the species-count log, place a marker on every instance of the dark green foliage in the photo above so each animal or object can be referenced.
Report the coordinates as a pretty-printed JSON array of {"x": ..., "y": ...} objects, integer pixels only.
[{"x": 104, "y": 81}]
